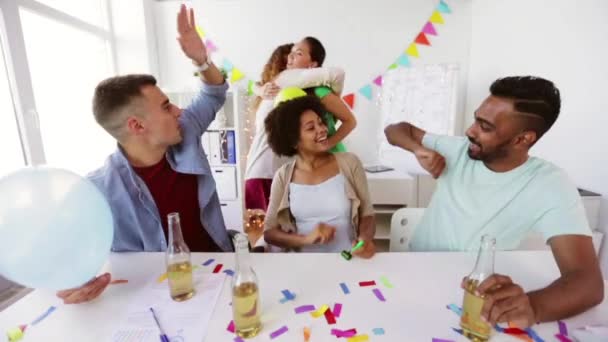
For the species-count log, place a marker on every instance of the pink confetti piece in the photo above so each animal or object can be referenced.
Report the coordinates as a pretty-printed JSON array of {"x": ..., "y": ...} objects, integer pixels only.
[
  {"x": 238, "y": 339},
  {"x": 230, "y": 327},
  {"x": 441, "y": 340},
  {"x": 344, "y": 333},
  {"x": 278, "y": 332},
  {"x": 337, "y": 309},
  {"x": 562, "y": 338},
  {"x": 379, "y": 295}
]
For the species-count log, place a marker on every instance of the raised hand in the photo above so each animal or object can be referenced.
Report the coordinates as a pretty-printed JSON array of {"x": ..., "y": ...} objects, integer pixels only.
[{"x": 189, "y": 40}]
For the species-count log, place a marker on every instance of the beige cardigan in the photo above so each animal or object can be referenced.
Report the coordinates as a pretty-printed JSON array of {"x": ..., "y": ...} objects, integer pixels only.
[{"x": 279, "y": 213}]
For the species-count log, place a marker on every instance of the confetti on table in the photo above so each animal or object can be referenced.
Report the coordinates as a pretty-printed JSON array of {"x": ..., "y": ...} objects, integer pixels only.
[
  {"x": 379, "y": 295},
  {"x": 14, "y": 334},
  {"x": 455, "y": 308},
  {"x": 208, "y": 262},
  {"x": 514, "y": 331},
  {"x": 358, "y": 338},
  {"x": 533, "y": 335},
  {"x": 238, "y": 339},
  {"x": 329, "y": 317},
  {"x": 458, "y": 331},
  {"x": 217, "y": 268},
  {"x": 44, "y": 315},
  {"x": 230, "y": 327},
  {"x": 306, "y": 334},
  {"x": 367, "y": 283},
  {"x": 344, "y": 288},
  {"x": 119, "y": 281},
  {"x": 385, "y": 282},
  {"x": 562, "y": 338},
  {"x": 288, "y": 295},
  {"x": 320, "y": 312},
  {"x": 278, "y": 332},
  {"x": 344, "y": 333},
  {"x": 229, "y": 272},
  {"x": 563, "y": 330},
  {"x": 378, "y": 331},
  {"x": 304, "y": 308},
  {"x": 337, "y": 309},
  {"x": 441, "y": 340},
  {"x": 162, "y": 278}
]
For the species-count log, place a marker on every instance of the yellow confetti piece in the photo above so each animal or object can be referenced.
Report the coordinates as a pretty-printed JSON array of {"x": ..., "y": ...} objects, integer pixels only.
[
  {"x": 436, "y": 18},
  {"x": 412, "y": 50},
  {"x": 358, "y": 338},
  {"x": 200, "y": 31},
  {"x": 237, "y": 75},
  {"x": 14, "y": 334},
  {"x": 162, "y": 278},
  {"x": 320, "y": 312}
]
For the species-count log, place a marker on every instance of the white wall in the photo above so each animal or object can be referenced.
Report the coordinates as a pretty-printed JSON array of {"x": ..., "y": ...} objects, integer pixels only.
[
  {"x": 564, "y": 41},
  {"x": 363, "y": 37}
]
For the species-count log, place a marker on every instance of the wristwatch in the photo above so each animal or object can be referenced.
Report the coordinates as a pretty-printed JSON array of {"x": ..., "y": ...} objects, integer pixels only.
[{"x": 204, "y": 66}]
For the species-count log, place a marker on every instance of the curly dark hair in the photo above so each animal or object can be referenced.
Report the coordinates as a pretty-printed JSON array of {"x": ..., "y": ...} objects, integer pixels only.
[
  {"x": 283, "y": 123},
  {"x": 535, "y": 96}
]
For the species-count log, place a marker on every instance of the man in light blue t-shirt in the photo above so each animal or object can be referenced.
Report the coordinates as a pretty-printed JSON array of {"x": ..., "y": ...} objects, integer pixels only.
[{"x": 488, "y": 184}]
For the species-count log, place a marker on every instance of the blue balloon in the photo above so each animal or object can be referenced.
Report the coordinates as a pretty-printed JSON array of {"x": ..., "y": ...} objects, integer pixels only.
[{"x": 56, "y": 228}]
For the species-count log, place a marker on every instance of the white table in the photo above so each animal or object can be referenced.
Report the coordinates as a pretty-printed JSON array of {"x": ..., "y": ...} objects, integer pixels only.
[{"x": 415, "y": 309}]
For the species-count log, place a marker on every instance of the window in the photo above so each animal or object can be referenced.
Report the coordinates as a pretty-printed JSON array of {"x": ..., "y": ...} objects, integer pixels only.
[
  {"x": 12, "y": 152},
  {"x": 66, "y": 63}
]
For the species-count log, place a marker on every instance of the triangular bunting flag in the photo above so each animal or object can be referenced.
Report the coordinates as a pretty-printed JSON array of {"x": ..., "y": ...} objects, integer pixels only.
[
  {"x": 366, "y": 91},
  {"x": 443, "y": 7},
  {"x": 237, "y": 75},
  {"x": 200, "y": 31},
  {"x": 227, "y": 65},
  {"x": 350, "y": 100},
  {"x": 392, "y": 66},
  {"x": 210, "y": 46},
  {"x": 412, "y": 50},
  {"x": 378, "y": 81},
  {"x": 436, "y": 18},
  {"x": 429, "y": 29},
  {"x": 421, "y": 39},
  {"x": 250, "y": 87},
  {"x": 404, "y": 61}
]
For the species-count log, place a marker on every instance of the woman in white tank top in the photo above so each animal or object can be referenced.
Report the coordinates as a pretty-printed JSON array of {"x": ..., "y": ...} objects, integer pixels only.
[{"x": 319, "y": 201}]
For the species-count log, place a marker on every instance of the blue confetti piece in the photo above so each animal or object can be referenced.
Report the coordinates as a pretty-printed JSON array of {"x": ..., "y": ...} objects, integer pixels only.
[
  {"x": 44, "y": 315},
  {"x": 208, "y": 262},
  {"x": 229, "y": 272},
  {"x": 533, "y": 335},
  {"x": 455, "y": 308},
  {"x": 288, "y": 295},
  {"x": 284, "y": 300},
  {"x": 344, "y": 288},
  {"x": 378, "y": 331},
  {"x": 460, "y": 331}
]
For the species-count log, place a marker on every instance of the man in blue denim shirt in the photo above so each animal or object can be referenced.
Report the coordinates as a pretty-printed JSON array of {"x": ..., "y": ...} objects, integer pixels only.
[{"x": 159, "y": 165}]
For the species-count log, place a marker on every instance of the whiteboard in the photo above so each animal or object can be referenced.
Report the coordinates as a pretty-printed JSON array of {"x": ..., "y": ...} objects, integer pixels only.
[{"x": 423, "y": 95}]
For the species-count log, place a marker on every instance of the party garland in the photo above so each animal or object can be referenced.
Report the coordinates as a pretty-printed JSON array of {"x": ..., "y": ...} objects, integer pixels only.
[{"x": 236, "y": 76}]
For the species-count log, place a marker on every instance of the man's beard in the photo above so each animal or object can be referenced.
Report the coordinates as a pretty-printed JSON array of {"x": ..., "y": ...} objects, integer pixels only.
[{"x": 498, "y": 152}]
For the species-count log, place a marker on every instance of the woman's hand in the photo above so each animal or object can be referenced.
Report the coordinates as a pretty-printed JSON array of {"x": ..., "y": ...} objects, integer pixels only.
[
  {"x": 322, "y": 234},
  {"x": 366, "y": 251}
]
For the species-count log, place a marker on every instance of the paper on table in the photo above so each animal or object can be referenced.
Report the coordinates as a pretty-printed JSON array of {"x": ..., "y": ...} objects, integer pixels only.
[{"x": 188, "y": 319}]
